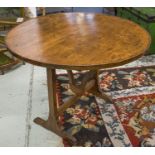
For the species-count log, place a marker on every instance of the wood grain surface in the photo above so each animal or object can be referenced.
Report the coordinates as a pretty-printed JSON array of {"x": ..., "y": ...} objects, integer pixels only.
[{"x": 78, "y": 41}]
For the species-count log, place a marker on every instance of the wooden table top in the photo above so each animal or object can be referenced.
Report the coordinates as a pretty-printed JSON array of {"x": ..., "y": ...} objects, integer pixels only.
[{"x": 78, "y": 41}]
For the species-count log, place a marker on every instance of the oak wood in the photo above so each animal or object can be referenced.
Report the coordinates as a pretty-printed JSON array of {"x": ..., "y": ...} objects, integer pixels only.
[
  {"x": 71, "y": 77},
  {"x": 67, "y": 104},
  {"x": 51, "y": 123},
  {"x": 78, "y": 41},
  {"x": 51, "y": 81}
]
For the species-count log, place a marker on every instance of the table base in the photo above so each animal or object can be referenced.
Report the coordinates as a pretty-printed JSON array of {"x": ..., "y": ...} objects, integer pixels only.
[{"x": 89, "y": 84}]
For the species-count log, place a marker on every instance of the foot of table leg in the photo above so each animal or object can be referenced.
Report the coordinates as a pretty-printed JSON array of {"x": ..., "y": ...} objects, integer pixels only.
[
  {"x": 54, "y": 128},
  {"x": 89, "y": 84},
  {"x": 40, "y": 122},
  {"x": 52, "y": 122}
]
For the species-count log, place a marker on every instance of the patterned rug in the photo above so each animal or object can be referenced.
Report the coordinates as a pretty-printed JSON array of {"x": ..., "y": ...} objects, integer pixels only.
[
  {"x": 126, "y": 78},
  {"x": 130, "y": 122}
]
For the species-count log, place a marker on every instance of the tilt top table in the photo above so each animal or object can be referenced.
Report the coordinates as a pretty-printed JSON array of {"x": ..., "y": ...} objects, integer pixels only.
[{"x": 76, "y": 41}]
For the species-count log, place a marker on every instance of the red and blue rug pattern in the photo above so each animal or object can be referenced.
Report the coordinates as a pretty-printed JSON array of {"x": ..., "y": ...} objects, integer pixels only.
[{"x": 129, "y": 122}]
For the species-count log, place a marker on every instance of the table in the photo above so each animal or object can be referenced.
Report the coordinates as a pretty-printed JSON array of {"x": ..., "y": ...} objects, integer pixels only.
[{"x": 76, "y": 41}]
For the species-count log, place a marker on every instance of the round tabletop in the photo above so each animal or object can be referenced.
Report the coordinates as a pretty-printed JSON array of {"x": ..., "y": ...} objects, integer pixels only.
[{"x": 78, "y": 41}]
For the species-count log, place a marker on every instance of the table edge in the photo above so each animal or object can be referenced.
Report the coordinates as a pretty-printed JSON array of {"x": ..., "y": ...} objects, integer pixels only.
[{"x": 80, "y": 67}]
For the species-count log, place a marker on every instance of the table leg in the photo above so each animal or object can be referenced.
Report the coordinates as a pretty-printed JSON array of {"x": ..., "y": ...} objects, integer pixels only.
[
  {"x": 52, "y": 123},
  {"x": 89, "y": 84},
  {"x": 97, "y": 92},
  {"x": 71, "y": 77}
]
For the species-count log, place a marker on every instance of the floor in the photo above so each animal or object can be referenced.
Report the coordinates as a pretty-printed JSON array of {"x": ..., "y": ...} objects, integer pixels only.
[{"x": 23, "y": 96}]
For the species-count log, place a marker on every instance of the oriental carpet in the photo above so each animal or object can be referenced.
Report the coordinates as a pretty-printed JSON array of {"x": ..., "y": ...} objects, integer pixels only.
[{"x": 129, "y": 122}]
